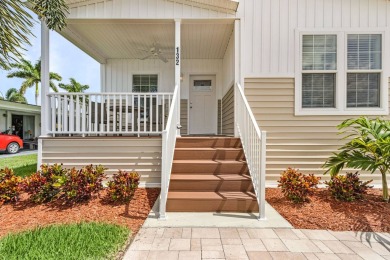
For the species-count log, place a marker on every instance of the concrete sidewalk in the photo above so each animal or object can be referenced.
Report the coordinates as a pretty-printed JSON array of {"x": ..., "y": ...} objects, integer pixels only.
[{"x": 256, "y": 243}]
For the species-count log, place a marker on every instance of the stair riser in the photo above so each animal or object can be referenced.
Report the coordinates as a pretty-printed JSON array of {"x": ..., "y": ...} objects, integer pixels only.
[
  {"x": 193, "y": 205},
  {"x": 236, "y": 168},
  {"x": 209, "y": 155},
  {"x": 208, "y": 143},
  {"x": 192, "y": 185}
]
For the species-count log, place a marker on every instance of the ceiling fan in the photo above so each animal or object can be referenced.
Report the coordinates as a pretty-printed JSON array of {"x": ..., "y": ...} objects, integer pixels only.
[{"x": 154, "y": 52}]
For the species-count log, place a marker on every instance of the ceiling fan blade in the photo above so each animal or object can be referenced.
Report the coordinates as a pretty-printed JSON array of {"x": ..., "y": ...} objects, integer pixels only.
[
  {"x": 162, "y": 58},
  {"x": 148, "y": 56}
]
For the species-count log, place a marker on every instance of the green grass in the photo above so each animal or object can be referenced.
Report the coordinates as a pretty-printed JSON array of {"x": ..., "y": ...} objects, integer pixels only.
[
  {"x": 74, "y": 241},
  {"x": 23, "y": 165}
]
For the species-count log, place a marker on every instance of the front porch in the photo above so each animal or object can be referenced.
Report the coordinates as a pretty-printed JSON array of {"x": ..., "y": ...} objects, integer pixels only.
[
  {"x": 160, "y": 79},
  {"x": 141, "y": 63}
]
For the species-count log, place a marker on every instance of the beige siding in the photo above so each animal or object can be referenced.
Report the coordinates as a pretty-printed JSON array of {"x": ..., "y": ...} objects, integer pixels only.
[
  {"x": 184, "y": 116},
  {"x": 228, "y": 112},
  {"x": 303, "y": 142},
  {"x": 219, "y": 117},
  {"x": 126, "y": 153}
]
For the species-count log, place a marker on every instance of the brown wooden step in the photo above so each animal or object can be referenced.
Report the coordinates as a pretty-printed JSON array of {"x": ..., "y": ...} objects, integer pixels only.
[
  {"x": 204, "y": 182},
  {"x": 187, "y": 201},
  {"x": 209, "y": 154},
  {"x": 208, "y": 142},
  {"x": 209, "y": 166}
]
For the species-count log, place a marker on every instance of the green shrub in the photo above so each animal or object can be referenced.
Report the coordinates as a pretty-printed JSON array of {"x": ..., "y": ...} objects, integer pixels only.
[
  {"x": 80, "y": 185},
  {"x": 297, "y": 186},
  {"x": 70, "y": 185},
  {"x": 123, "y": 186},
  {"x": 347, "y": 187},
  {"x": 367, "y": 149},
  {"x": 44, "y": 185},
  {"x": 9, "y": 186}
]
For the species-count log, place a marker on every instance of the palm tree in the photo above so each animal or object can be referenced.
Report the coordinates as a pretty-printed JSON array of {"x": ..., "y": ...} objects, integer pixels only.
[
  {"x": 13, "y": 95},
  {"x": 74, "y": 86},
  {"x": 32, "y": 76},
  {"x": 367, "y": 150},
  {"x": 16, "y": 24}
]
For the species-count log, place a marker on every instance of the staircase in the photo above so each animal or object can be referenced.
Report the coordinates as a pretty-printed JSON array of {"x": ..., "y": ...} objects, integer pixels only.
[{"x": 209, "y": 174}]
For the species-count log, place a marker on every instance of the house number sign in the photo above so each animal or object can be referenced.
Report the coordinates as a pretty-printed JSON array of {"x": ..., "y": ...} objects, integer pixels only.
[{"x": 177, "y": 56}]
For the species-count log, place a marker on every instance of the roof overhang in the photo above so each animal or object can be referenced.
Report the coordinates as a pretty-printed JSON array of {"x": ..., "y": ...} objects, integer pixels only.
[
  {"x": 228, "y": 6},
  {"x": 13, "y": 106}
]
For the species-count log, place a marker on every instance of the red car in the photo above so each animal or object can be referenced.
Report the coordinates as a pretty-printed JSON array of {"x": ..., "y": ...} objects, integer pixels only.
[{"x": 10, "y": 143}]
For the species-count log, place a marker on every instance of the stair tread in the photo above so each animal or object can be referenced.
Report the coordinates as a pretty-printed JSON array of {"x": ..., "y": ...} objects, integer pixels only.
[
  {"x": 211, "y": 195},
  {"x": 211, "y": 177},
  {"x": 216, "y": 161}
]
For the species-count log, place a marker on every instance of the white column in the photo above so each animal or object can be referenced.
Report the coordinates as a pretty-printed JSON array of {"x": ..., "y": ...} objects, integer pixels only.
[
  {"x": 45, "y": 83},
  {"x": 178, "y": 65}
]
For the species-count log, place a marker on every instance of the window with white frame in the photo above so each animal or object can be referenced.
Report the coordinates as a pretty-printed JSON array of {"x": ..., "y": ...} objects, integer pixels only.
[
  {"x": 341, "y": 73},
  {"x": 319, "y": 65},
  {"x": 145, "y": 83},
  {"x": 364, "y": 70}
]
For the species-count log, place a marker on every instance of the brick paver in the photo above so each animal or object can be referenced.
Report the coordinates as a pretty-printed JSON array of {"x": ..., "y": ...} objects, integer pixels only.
[{"x": 250, "y": 243}]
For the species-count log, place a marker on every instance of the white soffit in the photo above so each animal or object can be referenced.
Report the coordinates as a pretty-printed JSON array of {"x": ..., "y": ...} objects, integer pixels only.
[{"x": 229, "y": 6}]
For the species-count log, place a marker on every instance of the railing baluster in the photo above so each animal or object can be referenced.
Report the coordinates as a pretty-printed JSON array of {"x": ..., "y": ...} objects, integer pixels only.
[
  {"x": 89, "y": 128},
  {"x": 59, "y": 114},
  {"x": 66, "y": 107},
  {"x": 53, "y": 114},
  {"x": 84, "y": 116},
  {"x": 139, "y": 113},
  {"x": 114, "y": 115},
  {"x": 127, "y": 113},
  {"x": 120, "y": 113},
  {"x": 132, "y": 114}
]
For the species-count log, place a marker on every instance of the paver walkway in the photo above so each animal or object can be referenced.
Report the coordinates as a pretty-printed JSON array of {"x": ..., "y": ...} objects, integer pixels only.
[{"x": 252, "y": 243}]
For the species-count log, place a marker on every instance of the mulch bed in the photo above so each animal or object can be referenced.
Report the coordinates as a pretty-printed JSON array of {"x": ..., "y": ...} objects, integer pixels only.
[
  {"x": 324, "y": 212},
  {"x": 25, "y": 215}
]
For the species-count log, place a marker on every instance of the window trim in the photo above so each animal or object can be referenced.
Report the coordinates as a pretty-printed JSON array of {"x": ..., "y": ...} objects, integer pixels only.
[{"x": 341, "y": 74}]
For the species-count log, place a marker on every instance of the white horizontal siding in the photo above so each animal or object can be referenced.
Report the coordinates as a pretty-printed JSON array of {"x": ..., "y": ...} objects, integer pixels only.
[
  {"x": 134, "y": 9},
  {"x": 269, "y": 28},
  {"x": 142, "y": 155}
]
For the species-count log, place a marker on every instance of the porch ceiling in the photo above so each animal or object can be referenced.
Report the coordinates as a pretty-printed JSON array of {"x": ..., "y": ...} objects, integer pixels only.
[{"x": 125, "y": 39}]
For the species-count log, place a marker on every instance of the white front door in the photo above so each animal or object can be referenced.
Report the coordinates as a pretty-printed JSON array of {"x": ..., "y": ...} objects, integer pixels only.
[{"x": 203, "y": 105}]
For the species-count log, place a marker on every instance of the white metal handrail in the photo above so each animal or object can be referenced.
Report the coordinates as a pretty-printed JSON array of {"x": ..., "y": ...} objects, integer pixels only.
[
  {"x": 168, "y": 149},
  {"x": 108, "y": 113},
  {"x": 254, "y": 145}
]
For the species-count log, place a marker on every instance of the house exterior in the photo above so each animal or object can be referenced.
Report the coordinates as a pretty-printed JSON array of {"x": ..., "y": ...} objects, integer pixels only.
[
  {"x": 23, "y": 119},
  {"x": 294, "y": 69}
]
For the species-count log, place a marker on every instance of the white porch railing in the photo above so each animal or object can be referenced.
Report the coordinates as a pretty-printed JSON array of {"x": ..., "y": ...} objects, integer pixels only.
[
  {"x": 108, "y": 113},
  {"x": 254, "y": 145},
  {"x": 168, "y": 149}
]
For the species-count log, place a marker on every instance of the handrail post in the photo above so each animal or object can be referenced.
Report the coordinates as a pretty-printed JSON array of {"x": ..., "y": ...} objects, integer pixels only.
[
  {"x": 163, "y": 195},
  {"x": 262, "y": 174}
]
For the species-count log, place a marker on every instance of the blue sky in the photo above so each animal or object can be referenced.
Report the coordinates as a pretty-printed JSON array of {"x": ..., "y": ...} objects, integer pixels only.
[{"x": 65, "y": 59}]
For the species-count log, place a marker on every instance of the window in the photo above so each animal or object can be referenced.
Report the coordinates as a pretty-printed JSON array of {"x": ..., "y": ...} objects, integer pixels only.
[
  {"x": 319, "y": 65},
  {"x": 341, "y": 73},
  {"x": 145, "y": 83},
  {"x": 364, "y": 65}
]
